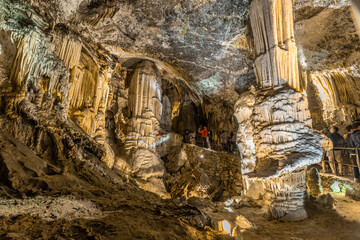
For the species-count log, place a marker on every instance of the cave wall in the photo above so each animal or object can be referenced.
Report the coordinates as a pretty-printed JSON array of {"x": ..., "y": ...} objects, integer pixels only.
[
  {"x": 125, "y": 76},
  {"x": 328, "y": 56}
]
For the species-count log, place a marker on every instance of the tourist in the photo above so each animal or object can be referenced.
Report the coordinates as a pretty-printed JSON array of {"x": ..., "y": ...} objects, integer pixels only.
[
  {"x": 192, "y": 136},
  {"x": 229, "y": 141},
  {"x": 187, "y": 136},
  {"x": 327, "y": 146},
  {"x": 233, "y": 139},
  {"x": 355, "y": 143},
  {"x": 347, "y": 152},
  {"x": 335, "y": 155},
  {"x": 223, "y": 140},
  {"x": 216, "y": 139},
  {"x": 205, "y": 138}
]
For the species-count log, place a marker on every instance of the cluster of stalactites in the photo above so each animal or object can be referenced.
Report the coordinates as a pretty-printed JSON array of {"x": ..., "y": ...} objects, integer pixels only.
[
  {"x": 283, "y": 131},
  {"x": 273, "y": 30},
  {"x": 145, "y": 107},
  {"x": 337, "y": 89},
  {"x": 89, "y": 87},
  {"x": 333, "y": 84},
  {"x": 35, "y": 64}
]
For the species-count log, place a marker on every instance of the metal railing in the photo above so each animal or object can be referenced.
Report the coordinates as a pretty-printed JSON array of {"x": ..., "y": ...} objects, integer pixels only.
[
  {"x": 214, "y": 145},
  {"x": 351, "y": 155}
]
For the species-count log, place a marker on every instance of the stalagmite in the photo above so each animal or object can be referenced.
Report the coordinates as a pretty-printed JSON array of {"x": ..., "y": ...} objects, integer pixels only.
[
  {"x": 243, "y": 111},
  {"x": 145, "y": 107}
]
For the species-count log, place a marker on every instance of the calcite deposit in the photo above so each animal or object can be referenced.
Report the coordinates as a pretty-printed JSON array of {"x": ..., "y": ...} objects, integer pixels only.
[{"x": 101, "y": 103}]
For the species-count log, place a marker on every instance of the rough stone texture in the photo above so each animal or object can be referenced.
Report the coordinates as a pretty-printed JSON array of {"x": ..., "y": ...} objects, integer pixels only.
[
  {"x": 73, "y": 74},
  {"x": 198, "y": 172},
  {"x": 283, "y": 139},
  {"x": 329, "y": 58},
  {"x": 313, "y": 182},
  {"x": 60, "y": 168},
  {"x": 243, "y": 112}
]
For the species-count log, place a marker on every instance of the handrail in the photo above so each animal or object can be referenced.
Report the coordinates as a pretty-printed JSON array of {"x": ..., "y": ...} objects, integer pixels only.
[{"x": 351, "y": 154}]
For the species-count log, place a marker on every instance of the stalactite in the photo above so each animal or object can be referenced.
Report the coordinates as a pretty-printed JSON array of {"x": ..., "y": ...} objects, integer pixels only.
[
  {"x": 337, "y": 90},
  {"x": 273, "y": 30},
  {"x": 69, "y": 51},
  {"x": 33, "y": 61}
]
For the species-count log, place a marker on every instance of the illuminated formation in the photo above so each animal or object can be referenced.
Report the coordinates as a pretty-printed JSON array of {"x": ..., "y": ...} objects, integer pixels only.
[
  {"x": 282, "y": 138},
  {"x": 337, "y": 90},
  {"x": 145, "y": 108},
  {"x": 273, "y": 30},
  {"x": 104, "y": 104}
]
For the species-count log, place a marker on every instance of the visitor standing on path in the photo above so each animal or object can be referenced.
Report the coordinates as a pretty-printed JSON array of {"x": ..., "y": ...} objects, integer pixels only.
[
  {"x": 355, "y": 143},
  {"x": 223, "y": 140},
  {"x": 205, "y": 137},
  {"x": 335, "y": 155}
]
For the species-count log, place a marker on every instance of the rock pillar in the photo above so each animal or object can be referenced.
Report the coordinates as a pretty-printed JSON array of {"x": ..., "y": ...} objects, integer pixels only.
[
  {"x": 145, "y": 111},
  {"x": 283, "y": 139}
]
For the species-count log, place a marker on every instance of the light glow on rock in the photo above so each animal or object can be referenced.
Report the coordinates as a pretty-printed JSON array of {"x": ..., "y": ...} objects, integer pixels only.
[{"x": 226, "y": 226}]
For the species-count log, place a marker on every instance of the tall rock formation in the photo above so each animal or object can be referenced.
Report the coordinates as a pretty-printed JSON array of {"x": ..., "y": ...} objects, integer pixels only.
[
  {"x": 282, "y": 137},
  {"x": 145, "y": 111}
]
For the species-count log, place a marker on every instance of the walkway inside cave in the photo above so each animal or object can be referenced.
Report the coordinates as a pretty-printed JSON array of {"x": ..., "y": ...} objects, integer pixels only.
[{"x": 330, "y": 218}]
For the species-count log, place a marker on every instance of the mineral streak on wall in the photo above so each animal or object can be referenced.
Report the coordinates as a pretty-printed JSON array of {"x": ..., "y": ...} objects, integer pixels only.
[{"x": 273, "y": 30}]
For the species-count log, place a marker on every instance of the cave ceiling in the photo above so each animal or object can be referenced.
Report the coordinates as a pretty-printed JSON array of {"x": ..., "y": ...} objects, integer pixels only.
[{"x": 206, "y": 43}]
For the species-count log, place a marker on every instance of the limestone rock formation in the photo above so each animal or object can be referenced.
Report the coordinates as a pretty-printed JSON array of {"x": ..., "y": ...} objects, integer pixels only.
[
  {"x": 97, "y": 100},
  {"x": 275, "y": 48},
  {"x": 197, "y": 172},
  {"x": 282, "y": 135},
  {"x": 243, "y": 112}
]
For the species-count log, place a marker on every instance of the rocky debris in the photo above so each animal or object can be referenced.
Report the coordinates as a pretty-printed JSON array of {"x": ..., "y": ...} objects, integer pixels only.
[
  {"x": 326, "y": 200},
  {"x": 344, "y": 184},
  {"x": 353, "y": 192},
  {"x": 50, "y": 208},
  {"x": 198, "y": 172},
  {"x": 97, "y": 192}
]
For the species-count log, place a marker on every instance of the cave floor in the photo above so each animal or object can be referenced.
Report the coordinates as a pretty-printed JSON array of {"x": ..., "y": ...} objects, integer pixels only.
[{"x": 337, "y": 223}]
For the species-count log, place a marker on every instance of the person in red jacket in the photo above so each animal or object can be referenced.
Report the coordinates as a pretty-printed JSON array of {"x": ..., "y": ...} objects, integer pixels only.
[{"x": 204, "y": 135}]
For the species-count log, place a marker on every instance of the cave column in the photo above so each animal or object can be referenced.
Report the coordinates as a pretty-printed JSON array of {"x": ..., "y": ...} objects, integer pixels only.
[
  {"x": 282, "y": 138},
  {"x": 145, "y": 108},
  {"x": 145, "y": 111}
]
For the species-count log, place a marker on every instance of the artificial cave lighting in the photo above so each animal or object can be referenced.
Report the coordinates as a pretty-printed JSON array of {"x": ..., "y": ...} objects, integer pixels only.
[{"x": 184, "y": 119}]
